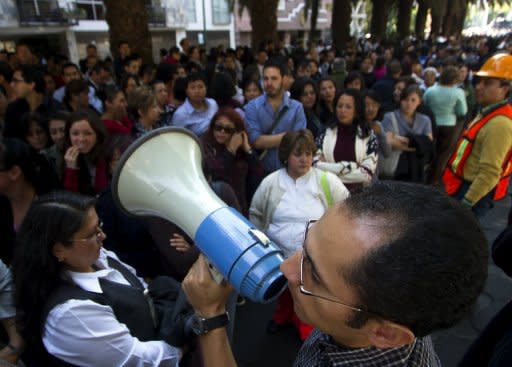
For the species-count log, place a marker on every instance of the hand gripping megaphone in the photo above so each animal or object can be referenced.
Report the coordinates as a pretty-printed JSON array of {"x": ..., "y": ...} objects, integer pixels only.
[{"x": 161, "y": 175}]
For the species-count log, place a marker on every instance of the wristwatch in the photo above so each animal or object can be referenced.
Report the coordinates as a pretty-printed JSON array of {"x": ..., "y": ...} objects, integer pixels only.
[{"x": 201, "y": 326}]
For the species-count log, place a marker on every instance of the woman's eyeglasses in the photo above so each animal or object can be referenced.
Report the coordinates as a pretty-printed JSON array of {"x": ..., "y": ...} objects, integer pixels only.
[
  {"x": 226, "y": 129},
  {"x": 97, "y": 235}
]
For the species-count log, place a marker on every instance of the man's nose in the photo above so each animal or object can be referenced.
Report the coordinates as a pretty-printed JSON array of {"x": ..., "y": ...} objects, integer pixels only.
[{"x": 291, "y": 269}]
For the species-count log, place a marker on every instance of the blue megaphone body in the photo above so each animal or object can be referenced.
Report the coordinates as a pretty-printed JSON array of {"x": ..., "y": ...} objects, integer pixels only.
[{"x": 161, "y": 175}]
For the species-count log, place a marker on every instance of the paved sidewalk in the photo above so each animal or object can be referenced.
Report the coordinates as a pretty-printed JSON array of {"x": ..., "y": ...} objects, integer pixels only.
[
  {"x": 254, "y": 347},
  {"x": 452, "y": 343}
]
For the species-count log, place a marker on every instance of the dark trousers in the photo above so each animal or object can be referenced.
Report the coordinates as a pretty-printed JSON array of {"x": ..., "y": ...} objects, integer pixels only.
[{"x": 482, "y": 206}]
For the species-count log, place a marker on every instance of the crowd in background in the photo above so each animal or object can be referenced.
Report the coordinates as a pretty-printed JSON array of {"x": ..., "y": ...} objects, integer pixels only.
[{"x": 285, "y": 132}]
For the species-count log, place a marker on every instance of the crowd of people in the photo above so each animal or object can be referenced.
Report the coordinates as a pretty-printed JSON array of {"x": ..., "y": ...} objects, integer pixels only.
[{"x": 369, "y": 140}]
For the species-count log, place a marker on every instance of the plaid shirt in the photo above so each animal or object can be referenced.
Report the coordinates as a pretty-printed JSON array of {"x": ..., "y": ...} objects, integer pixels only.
[{"x": 319, "y": 350}]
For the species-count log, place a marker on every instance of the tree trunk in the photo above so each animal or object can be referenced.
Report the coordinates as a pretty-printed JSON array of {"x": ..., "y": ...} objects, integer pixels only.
[
  {"x": 438, "y": 11},
  {"x": 404, "y": 18},
  {"x": 263, "y": 21},
  {"x": 130, "y": 24},
  {"x": 421, "y": 18},
  {"x": 380, "y": 13},
  {"x": 454, "y": 20},
  {"x": 340, "y": 24},
  {"x": 315, "y": 4}
]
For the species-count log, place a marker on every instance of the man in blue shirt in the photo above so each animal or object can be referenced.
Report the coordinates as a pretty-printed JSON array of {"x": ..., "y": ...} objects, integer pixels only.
[
  {"x": 263, "y": 111},
  {"x": 197, "y": 111}
]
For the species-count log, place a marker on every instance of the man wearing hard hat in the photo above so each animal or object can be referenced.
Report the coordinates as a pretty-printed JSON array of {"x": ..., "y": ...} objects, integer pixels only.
[{"x": 479, "y": 169}]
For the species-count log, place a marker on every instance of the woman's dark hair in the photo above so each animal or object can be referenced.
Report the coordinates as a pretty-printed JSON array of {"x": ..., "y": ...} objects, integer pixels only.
[
  {"x": 359, "y": 124},
  {"x": 354, "y": 75},
  {"x": 52, "y": 218},
  {"x": 36, "y": 170},
  {"x": 411, "y": 89},
  {"x": 180, "y": 89},
  {"x": 84, "y": 177},
  {"x": 299, "y": 85},
  {"x": 142, "y": 99},
  {"x": 248, "y": 82},
  {"x": 231, "y": 115},
  {"x": 113, "y": 143},
  {"x": 301, "y": 139},
  {"x": 373, "y": 95},
  {"x": 449, "y": 76},
  {"x": 34, "y": 117},
  {"x": 111, "y": 92},
  {"x": 380, "y": 62},
  {"x": 221, "y": 87},
  {"x": 126, "y": 78}
]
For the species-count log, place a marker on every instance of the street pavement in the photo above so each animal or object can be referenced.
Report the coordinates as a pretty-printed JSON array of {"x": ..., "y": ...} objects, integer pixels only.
[{"x": 254, "y": 347}]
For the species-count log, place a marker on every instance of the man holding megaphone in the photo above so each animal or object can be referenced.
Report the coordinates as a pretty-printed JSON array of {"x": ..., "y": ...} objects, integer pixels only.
[{"x": 376, "y": 275}]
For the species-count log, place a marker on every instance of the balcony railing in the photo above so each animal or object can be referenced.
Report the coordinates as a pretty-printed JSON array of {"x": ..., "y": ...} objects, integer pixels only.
[
  {"x": 156, "y": 16},
  {"x": 44, "y": 12}
]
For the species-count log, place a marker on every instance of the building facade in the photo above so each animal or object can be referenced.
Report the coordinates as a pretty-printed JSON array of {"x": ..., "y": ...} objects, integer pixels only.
[
  {"x": 68, "y": 26},
  {"x": 293, "y": 24}
]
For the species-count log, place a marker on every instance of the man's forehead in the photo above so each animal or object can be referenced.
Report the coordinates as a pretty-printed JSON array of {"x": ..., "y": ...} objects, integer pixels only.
[{"x": 340, "y": 230}]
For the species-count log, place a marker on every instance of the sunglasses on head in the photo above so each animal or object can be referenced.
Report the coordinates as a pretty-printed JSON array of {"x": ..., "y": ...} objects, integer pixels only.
[{"x": 228, "y": 130}]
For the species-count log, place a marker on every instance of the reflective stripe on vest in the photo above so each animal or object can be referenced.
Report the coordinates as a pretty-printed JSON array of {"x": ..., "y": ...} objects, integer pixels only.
[{"x": 453, "y": 176}]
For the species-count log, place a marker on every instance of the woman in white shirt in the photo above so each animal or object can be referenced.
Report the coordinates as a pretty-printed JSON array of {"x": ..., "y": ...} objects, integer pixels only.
[
  {"x": 286, "y": 201},
  {"x": 77, "y": 301}
]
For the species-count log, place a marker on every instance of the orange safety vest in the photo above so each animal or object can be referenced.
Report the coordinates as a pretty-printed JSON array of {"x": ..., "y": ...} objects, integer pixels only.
[{"x": 453, "y": 173}]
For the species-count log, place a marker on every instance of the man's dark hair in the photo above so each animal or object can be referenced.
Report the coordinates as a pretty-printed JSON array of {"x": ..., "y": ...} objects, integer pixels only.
[
  {"x": 128, "y": 59},
  {"x": 74, "y": 88},
  {"x": 272, "y": 63},
  {"x": 431, "y": 265},
  {"x": 122, "y": 42},
  {"x": 194, "y": 77},
  {"x": 33, "y": 74},
  {"x": 99, "y": 66},
  {"x": 173, "y": 50},
  {"x": 70, "y": 65},
  {"x": 92, "y": 45}
]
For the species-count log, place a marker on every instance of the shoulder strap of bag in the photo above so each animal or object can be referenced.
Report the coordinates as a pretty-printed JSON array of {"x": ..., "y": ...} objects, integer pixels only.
[
  {"x": 394, "y": 122},
  {"x": 276, "y": 120},
  {"x": 326, "y": 189}
]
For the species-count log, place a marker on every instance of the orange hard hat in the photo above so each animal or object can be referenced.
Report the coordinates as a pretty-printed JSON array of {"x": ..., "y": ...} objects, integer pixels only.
[{"x": 497, "y": 66}]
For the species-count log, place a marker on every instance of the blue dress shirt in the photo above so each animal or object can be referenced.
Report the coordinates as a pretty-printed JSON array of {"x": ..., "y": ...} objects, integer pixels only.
[{"x": 259, "y": 116}]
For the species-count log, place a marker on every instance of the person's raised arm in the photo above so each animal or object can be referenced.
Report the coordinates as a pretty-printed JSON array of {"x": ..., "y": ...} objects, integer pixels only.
[{"x": 209, "y": 300}]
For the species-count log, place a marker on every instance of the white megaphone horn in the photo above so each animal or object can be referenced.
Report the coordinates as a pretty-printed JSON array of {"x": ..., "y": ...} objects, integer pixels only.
[{"x": 161, "y": 175}]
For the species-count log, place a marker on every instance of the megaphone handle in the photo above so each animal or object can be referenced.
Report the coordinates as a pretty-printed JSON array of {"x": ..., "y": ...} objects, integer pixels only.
[{"x": 216, "y": 275}]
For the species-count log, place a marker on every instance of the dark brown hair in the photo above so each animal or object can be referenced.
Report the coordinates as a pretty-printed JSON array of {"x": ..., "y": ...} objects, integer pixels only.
[{"x": 302, "y": 140}]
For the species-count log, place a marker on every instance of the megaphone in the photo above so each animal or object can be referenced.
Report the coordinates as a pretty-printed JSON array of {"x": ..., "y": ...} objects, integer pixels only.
[{"x": 161, "y": 175}]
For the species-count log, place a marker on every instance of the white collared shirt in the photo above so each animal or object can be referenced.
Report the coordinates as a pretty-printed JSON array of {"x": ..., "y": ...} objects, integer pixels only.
[
  {"x": 86, "y": 333},
  {"x": 300, "y": 203}
]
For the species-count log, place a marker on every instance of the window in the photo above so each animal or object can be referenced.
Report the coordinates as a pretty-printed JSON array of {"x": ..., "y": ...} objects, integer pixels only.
[
  {"x": 282, "y": 5},
  {"x": 92, "y": 9},
  {"x": 191, "y": 11},
  {"x": 220, "y": 12}
]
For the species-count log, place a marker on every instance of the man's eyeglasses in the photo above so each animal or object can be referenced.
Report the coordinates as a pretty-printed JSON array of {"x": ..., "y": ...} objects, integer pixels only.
[
  {"x": 302, "y": 286},
  {"x": 15, "y": 81},
  {"x": 228, "y": 130},
  {"x": 97, "y": 235}
]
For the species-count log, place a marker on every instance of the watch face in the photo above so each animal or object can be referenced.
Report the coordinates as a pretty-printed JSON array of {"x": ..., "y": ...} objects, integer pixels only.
[{"x": 197, "y": 325}]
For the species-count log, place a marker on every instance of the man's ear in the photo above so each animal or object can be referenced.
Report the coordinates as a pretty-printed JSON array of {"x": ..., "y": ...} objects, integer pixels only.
[{"x": 387, "y": 334}]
